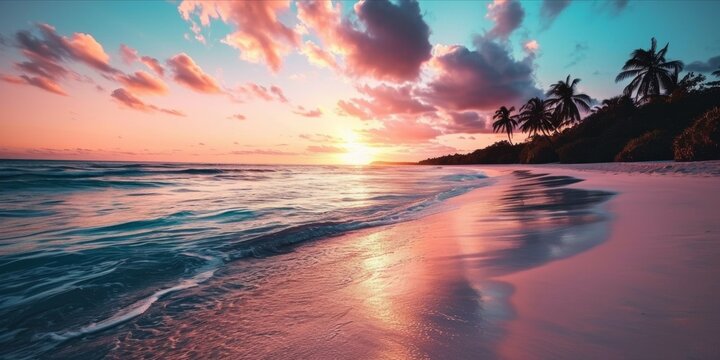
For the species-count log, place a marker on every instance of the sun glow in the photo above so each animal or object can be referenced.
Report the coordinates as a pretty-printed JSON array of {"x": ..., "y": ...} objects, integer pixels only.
[{"x": 356, "y": 153}]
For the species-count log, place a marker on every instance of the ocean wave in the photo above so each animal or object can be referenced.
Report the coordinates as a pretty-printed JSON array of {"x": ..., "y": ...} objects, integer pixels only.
[
  {"x": 232, "y": 215},
  {"x": 273, "y": 242},
  {"x": 67, "y": 177},
  {"x": 50, "y": 184},
  {"x": 141, "y": 306},
  {"x": 78, "y": 184},
  {"x": 136, "y": 225},
  {"x": 79, "y": 173}
]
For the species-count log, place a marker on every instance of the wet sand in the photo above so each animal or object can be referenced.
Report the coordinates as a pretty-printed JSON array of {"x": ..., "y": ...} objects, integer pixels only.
[
  {"x": 539, "y": 265},
  {"x": 649, "y": 292}
]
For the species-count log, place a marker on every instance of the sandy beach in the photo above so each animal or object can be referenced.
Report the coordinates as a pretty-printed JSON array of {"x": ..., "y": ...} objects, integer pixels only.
[{"x": 647, "y": 292}]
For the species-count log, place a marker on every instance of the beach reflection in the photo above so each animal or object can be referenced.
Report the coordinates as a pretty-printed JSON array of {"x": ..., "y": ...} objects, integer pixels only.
[{"x": 376, "y": 285}]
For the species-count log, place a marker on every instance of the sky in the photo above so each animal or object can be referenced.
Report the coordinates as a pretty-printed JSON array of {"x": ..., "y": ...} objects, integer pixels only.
[{"x": 309, "y": 82}]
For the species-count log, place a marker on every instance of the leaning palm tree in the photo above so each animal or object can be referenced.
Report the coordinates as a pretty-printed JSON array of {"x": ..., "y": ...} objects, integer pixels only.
[
  {"x": 563, "y": 97},
  {"x": 536, "y": 117},
  {"x": 650, "y": 71},
  {"x": 504, "y": 121}
]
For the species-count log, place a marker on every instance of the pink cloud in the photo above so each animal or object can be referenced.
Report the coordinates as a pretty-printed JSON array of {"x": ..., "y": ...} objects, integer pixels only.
[
  {"x": 382, "y": 101},
  {"x": 278, "y": 93},
  {"x": 388, "y": 41},
  {"x": 320, "y": 138},
  {"x": 40, "y": 66},
  {"x": 12, "y": 79},
  {"x": 40, "y": 82},
  {"x": 189, "y": 74},
  {"x": 237, "y": 117},
  {"x": 143, "y": 82},
  {"x": 260, "y": 91},
  {"x": 256, "y": 91},
  {"x": 90, "y": 51},
  {"x": 45, "y": 84},
  {"x": 406, "y": 130},
  {"x": 258, "y": 33},
  {"x": 531, "y": 46},
  {"x": 45, "y": 54},
  {"x": 481, "y": 79},
  {"x": 323, "y": 17},
  {"x": 468, "y": 122},
  {"x": 327, "y": 149},
  {"x": 268, "y": 152},
  {"x": 81, "y": 47},
  {"x": 311, "y": 113},
  {"x": 154, "y": 65},
  {"x": 129, "y": 100},
  {"x": 128, "y": 54},
  {"x": 349, "y": 108},
  {"x": 507, "y": 15},
  {"x": 319, "y": 57}
]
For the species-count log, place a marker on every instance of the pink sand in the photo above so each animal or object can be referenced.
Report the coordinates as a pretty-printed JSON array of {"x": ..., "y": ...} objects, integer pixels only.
[{"x": 651, "y": 291}]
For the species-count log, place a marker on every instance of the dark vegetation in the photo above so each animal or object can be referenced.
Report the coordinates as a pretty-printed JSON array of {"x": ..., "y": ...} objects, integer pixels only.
[
  {"x": 660, "y": 116},
  {"x": 701, "y": 141}
]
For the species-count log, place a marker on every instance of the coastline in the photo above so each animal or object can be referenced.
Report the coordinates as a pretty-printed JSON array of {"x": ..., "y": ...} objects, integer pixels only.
[{"x": 537, "y": 265}]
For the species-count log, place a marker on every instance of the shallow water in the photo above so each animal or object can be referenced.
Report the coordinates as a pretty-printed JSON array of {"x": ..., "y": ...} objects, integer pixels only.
[{"x": 86, "y": 247}]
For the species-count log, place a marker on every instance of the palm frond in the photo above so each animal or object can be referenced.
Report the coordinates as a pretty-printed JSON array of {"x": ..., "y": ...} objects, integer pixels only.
[
  {"x": 584, "y": 105},
  {"x": 675, "y": 65},
  {"x": 661, "y": 54},
  {"x": 627, "y": 74}
]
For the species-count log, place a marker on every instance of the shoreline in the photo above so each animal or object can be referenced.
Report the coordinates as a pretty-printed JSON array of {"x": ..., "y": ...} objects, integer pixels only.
[
  {"x": 424, "y": 288},
  {"x": 537, "y": 265}
]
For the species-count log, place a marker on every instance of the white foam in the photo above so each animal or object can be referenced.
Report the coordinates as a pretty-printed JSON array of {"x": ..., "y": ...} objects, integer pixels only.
[{"x": 133, "y": 310}]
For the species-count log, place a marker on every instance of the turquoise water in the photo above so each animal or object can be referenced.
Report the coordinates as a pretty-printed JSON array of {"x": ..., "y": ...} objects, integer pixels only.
[{"x": 86, "y": 246}]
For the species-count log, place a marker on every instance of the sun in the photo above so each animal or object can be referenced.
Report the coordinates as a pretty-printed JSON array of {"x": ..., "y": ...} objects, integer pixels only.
[
  {"x": 356, "y": 153},
  {"x": 359, "y": 155}
]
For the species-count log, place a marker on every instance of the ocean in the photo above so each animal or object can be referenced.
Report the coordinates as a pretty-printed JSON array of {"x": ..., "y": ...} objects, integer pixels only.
[{"x": 86, "y": 247}]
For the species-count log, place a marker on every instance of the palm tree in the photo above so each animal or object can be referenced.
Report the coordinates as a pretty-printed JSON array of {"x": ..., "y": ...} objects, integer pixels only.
[
  {"x": 650, "y": 71},
  {"x": 617, "y": 101},
  {"x": 504, "y": 121},
  {"x": 536, "y": 117},
  {"x": 567, "y": 103}
]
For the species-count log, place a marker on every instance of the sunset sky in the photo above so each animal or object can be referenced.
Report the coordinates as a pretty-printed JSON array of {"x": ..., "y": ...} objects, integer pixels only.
[{"x": 308, "y": 82}]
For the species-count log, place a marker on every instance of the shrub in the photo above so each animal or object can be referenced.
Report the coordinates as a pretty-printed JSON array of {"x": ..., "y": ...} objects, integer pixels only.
[
  {"x": 539, "y": 151},
  {"x": 588, "y": 150},
  {"x": 500, "y": 152},
  {"x": 700, "y": 141},
  {"x": 653, "y": 145}
]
